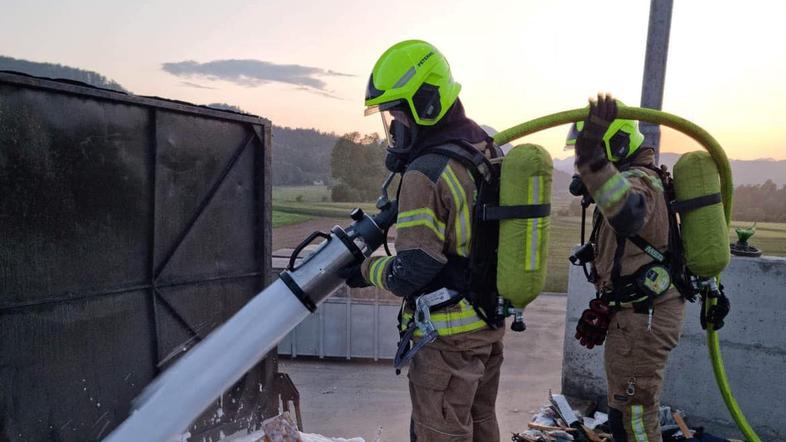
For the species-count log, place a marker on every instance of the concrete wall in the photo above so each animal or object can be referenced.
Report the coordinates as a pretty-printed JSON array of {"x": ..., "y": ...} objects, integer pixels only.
[{"x": 753, "y": 344}]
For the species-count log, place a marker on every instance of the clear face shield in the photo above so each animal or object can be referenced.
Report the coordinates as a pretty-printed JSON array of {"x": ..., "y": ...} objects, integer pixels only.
[
  {"x": 396, "y": 123},
  {"x": 570, "y": 141}
]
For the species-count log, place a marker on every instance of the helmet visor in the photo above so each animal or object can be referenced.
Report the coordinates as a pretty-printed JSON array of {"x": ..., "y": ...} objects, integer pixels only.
[
  {"x": 388, "y": 116},
  {"x": 392, "y": 110},
  {"x": 573, "y": 133},
  {"x": 382, "y": 107}
]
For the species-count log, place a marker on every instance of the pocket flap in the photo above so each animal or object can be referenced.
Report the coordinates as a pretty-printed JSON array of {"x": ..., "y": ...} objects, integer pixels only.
[{"x": 432, "y": 380}]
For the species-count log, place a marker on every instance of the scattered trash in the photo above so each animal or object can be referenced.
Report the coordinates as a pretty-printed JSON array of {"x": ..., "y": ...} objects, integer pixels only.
[
  {"x": 281, "y": 429},
  {"x": 561, "y": 421},
  {"x": 596, "y": 420}
]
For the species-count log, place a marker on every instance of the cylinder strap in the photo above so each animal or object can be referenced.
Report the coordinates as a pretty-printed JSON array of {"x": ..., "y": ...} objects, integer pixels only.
[
  {"x": 696, "y": 203},
  {"x": 494, "y": 213}
]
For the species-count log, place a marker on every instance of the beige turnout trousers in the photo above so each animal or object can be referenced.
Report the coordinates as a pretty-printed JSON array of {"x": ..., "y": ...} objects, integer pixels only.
[
  {"x": 453, "y": 389},
  {"x": 635, "y": 359}
]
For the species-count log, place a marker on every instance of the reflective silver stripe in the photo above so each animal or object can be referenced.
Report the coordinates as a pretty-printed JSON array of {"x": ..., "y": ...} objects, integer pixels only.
[
  {"x": 637, "y": 423},
  {"x": 405, "y": 78},
  {"x": 612, "y": 191},
  {"x": 429, "y": 218},
  {"x": 653, "y": 181},
  {"x": 421, "y": 217},
  {"x": 455, "y": 323},
  {"x": 533, "y": 246}
]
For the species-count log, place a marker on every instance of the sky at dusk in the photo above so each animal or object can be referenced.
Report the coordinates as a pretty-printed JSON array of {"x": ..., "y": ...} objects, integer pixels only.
[{"x": 306, "y": 63}]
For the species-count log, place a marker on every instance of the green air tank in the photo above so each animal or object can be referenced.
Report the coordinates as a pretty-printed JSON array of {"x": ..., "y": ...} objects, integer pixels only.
[
  {"x": 525, "y": 180},
  {"x": 705, "y": 235}
]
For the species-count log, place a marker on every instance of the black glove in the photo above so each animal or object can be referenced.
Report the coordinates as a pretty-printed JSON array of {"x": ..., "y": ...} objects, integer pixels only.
[
  {"x": 594, "y": 324},
  {"x": 717, "y": 313},
  {"x": 589, "y": 144},
  {"x": 353, "y": 276}
]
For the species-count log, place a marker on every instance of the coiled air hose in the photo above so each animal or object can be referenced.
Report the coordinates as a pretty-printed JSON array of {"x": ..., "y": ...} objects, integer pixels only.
[{"x": 727, "y": 188}]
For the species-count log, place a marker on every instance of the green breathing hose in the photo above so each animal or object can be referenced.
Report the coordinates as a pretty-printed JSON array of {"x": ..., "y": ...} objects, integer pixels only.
[{"x": 727, "y": 188}]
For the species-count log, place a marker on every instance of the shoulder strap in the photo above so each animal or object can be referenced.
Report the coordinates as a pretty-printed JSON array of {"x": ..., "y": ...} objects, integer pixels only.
[{"x": 466, "y": 154}]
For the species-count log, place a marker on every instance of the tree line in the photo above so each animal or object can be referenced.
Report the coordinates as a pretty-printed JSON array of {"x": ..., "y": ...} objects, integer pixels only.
[
  {"x": 358, "y": 168},
  {"x": 763, "y": 202},
  {"x": 755, "y": 203}
]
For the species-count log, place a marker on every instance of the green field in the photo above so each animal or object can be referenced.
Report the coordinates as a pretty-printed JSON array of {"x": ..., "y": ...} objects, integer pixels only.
[
  {"x": 286, "y": 218},
  {"x": 287, "y": 209},
  {"x": 301, "y": 193},
  {"x": 312, "y": 201}
]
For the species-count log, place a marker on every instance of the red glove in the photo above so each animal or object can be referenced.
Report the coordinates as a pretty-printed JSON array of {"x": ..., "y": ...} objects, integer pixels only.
[{"x": 594, "y": 324}]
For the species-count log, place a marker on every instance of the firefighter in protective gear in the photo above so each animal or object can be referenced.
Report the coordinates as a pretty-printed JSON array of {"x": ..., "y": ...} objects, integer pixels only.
[
  {"x": 643, "y": 326},
  {"x": 453, "y": 381}
]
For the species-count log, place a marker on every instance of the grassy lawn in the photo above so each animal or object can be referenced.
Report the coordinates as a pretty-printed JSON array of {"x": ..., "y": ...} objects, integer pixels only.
[
  {"x": 301, "y": 193},
  {"x": 311, "y": 201},
  {"x": 769, "y": 237},
  {"x": 564, "y": 236},
  {"x": 286, "y": 218}
]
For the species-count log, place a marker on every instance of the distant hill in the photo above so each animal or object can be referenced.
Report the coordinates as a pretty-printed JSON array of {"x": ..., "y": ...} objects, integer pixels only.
[
  {"x": 744, "y": 172},
  {"x": 58, "y": 71}
]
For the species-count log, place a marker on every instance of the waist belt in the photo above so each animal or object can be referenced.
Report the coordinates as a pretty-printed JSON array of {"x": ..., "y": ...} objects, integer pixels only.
[
  {"x": 628, "y": 296},
  {"x": 460, "y": 318}
]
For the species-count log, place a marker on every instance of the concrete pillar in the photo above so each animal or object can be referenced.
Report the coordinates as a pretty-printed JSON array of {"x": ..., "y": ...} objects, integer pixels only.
[{"x": 655, "y": 67}]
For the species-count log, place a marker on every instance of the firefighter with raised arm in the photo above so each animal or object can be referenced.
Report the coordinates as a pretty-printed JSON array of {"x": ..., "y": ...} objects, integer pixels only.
[
  {"x": 638, "y": 312},
  {"x": 453, "y": 380}
]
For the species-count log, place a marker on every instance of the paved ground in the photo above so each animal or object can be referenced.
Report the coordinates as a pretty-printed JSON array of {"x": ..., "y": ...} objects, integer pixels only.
[{"x": 348, "y": 398}]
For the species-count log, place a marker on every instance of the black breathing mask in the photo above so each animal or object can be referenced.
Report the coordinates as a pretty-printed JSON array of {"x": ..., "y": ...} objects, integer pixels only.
[
  {"x": 401, "y": 138},
  {"x": 394, "y": 162}
]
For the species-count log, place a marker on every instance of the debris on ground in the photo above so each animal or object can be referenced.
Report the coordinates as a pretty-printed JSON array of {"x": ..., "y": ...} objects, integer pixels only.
[
  {"x": 282, "y": 428},
  {"x": 561, "y": 420}
]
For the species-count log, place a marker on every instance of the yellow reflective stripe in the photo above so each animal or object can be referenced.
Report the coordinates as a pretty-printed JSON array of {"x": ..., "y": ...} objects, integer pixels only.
[
  {"x": 455, "y": 329},
  {"x": 424, "y": 217},
  {"x": 637, "y": 423},
  {"x": 462, "y": 211},
  {"x": 535, "y": 195},
  {"x": 372, "y": 272},
  {"x": 377, "y": 271},
  {"x": 653, "y": 181},
  {"x": 451, "y": 323},
  {"x": 612, "y": 191}
]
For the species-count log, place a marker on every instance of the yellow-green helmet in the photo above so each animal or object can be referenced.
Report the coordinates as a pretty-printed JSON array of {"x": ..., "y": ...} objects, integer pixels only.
[
  {"x": 412, "y": 73},
  {"x": 621, "y": 140}
]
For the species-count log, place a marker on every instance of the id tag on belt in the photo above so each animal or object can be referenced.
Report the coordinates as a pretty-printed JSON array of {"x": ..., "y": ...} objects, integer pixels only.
[{"x": 437, "y": 297}]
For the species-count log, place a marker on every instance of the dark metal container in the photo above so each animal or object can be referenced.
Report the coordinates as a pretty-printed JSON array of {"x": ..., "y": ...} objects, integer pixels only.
[{"x": 130, "y": 227}]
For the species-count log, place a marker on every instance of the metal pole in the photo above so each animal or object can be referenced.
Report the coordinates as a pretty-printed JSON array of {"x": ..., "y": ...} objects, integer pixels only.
[{"x": 655, "y": 67}]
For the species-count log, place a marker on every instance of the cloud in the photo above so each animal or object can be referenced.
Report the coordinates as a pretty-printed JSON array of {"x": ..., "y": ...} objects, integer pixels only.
[
  {"x": 255, "y": 72},
  {"x": 194, "y": 85},
  {"x": 319, "y": 92}
]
